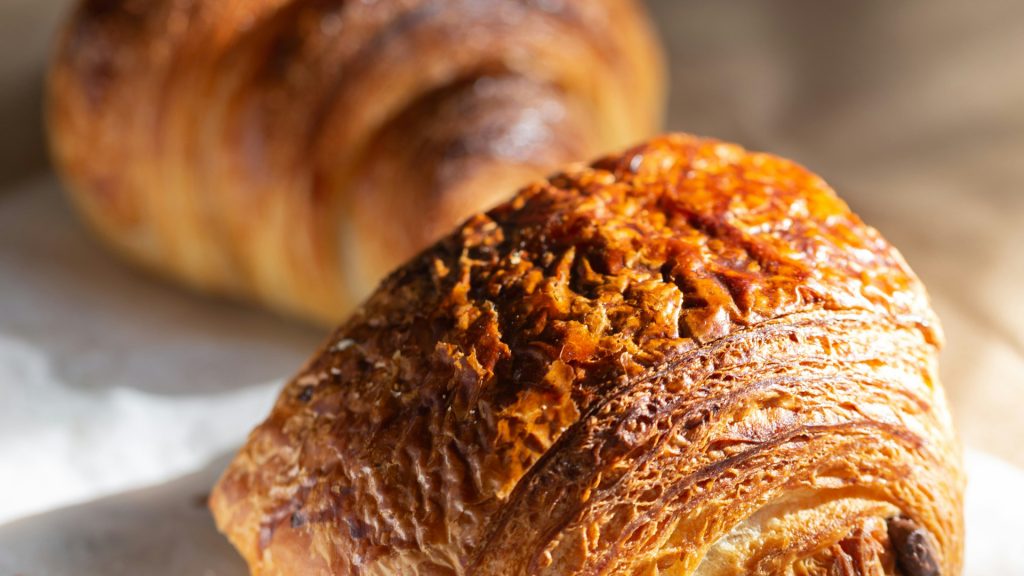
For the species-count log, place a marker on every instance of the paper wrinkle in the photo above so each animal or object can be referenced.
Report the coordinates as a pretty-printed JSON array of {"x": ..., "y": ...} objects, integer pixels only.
[{"x": 61, "y": 445}]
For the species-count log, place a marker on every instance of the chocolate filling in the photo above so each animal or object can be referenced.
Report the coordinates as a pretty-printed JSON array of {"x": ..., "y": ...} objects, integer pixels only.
[{"x": 914, "y": 553}]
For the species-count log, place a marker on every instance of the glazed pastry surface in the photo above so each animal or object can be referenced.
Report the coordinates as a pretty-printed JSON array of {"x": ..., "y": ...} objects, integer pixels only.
[
  {"x": 684, "y": 359},
  {"x": 294, "y": 152}
]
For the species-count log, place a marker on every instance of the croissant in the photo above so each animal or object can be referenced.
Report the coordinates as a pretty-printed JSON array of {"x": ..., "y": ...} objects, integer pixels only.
[
  {"x": 684, "y": 359},
  {"x": 295, "y": 151}
]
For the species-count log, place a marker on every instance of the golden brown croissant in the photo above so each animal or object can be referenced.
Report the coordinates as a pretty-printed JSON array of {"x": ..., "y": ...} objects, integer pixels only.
[
  {"x": 295, "y": 151},
  {"x": 687, "y": 359}
]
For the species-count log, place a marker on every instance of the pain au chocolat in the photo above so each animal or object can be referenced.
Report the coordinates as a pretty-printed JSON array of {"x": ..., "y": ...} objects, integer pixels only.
[{"x": 684, "y": 359}]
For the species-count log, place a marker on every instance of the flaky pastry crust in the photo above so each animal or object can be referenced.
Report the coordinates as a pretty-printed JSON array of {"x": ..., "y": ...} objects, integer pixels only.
[{"x": 684, "y": 359}]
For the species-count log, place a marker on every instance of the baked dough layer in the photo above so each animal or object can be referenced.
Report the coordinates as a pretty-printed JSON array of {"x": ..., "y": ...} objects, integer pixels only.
[{"x": 683, "y": 359}]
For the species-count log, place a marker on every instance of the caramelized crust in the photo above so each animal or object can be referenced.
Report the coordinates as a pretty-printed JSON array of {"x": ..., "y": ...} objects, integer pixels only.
[
  {"x": 296, "y": 151},
  {"x": 685, "y": 359}
]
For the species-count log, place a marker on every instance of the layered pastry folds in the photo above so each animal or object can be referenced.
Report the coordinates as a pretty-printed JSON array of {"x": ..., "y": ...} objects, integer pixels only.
[
  {"x": 684, "y": 359},
  {"x": 294, "y": 152}
]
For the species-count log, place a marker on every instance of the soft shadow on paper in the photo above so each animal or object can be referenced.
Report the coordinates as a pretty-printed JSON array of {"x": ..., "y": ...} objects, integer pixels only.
[{"x": 166, "y": 530}]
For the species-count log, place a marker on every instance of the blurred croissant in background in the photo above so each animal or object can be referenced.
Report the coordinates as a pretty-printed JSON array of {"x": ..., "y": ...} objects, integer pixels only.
[{"x": 295, "y": 151}]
